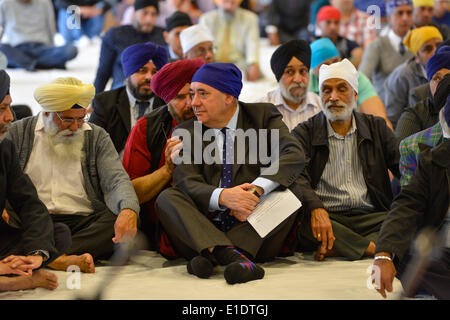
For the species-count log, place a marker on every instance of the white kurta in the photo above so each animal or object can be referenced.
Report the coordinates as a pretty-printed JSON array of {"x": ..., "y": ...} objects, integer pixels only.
[{"x": 60, "y": 187}]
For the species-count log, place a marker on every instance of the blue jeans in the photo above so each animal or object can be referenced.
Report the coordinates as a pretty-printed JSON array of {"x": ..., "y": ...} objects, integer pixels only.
[
  {"x": 33, "y": 55},
  {"x": 90, "y": 27}
]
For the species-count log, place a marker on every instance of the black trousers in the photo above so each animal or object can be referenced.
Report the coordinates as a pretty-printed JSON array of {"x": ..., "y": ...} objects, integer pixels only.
[
  {"x": 191, "y": 232},
  {"x": 90, "y": 234},
  {"x": 11, "y": 241}
]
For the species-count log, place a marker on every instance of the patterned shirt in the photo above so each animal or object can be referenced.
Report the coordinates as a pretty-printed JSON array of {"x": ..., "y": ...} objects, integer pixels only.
[
  {"x": 357, "y": 28},
  {"x": 342, "y": 186},
  {"x": 409, "y": 150}
]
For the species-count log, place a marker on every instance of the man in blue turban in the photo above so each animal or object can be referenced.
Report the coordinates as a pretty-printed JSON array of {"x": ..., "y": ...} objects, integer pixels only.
[
  {"x": 142, "y": 29},
  {"x": 205, "y": 212},
  {"x": 118, "y": 110}
]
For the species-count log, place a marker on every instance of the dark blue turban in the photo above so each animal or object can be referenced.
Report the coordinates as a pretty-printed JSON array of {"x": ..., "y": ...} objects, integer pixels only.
[
  {"x": 225, "y": 77},
  {"x": 136, "y": 56},
  {"x": 284, "y": 53},
  {"x": 4, "y": 84},
  {"x": 440, "y": 60}
]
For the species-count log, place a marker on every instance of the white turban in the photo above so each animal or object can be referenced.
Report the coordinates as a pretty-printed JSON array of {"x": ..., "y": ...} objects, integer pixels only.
[
  {"x": 194, "y": 35},
  {"x": 63, "y": 93},
  {"x": 342, "y": 70}
]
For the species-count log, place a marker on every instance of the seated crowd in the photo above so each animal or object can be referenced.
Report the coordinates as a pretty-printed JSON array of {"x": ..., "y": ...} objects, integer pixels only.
[{"x": 360, "y": 118}]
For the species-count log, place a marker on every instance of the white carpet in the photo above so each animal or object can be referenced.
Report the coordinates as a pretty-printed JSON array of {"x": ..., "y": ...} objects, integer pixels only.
[{"x": 152, "y": 277}]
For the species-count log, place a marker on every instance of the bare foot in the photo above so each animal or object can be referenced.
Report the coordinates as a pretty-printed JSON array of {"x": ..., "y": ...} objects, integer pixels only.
[
  {"x": 39, "y": 279},
  {"x": 322, "y": 253},
  {"x": 370, "y": 251},
  {"x": 85, "y": 262},
  {"x": 44, "y": 279}
]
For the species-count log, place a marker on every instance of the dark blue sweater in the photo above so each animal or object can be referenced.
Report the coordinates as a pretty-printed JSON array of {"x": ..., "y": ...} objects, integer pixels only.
[{"x": 114, "y": 42}]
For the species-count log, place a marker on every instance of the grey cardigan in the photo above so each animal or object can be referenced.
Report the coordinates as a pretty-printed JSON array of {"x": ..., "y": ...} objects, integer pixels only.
[{"x": 105, "y": 180}]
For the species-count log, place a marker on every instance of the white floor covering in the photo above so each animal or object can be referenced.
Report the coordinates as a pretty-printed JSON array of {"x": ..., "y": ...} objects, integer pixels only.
[{"x": 151, "y": 277}]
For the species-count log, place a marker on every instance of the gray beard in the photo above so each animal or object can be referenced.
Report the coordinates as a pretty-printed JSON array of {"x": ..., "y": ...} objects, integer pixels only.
[
  {"x": 342, "y": 115},
  {"x": 6, "y": 125},
  {"x": 65, "y": 148},
  {"x": 286, "y": 93}
]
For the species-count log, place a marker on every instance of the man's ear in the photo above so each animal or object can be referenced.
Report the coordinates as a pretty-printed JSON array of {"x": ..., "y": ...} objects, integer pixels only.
[
  {"x": 166, "y": 36},
  {"x": 416, "y": 58},
  {"x": 229, "y": 99}
]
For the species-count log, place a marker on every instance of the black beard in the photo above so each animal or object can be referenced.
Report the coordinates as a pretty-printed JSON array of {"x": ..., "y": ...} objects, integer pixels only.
[
  {"x": 185, "y": 116},
  {"x": 135, "y": 92}
]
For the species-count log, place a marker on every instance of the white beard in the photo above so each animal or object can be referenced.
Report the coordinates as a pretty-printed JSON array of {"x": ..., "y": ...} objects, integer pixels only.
[
  {"x": 65, "y": 148},
  {"x": 339, "y": 115},
  {"x": 286, "y": 93},
  {"x": 6, "y": 125}
]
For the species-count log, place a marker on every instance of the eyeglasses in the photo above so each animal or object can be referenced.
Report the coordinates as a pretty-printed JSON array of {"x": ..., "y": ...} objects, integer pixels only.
[{"x": 69, "y": 121}]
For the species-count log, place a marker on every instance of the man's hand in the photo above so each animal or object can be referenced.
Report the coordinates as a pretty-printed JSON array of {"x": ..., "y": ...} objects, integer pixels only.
[
  {"x": 125, "y": 227},
  {"x": 173, "y": 148},
  {"x": 23, "y": 265},
  {"x": 5, "y": 268},
  {"x": 321, "y": 228},
  {"x": 239, "y": 200},
  {"x": 253, "y": 73},
  {"x": 386, "y": 273}
]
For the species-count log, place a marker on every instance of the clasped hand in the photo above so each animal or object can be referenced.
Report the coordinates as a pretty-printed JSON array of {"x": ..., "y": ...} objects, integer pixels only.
[{"x": 240, "y": 201}]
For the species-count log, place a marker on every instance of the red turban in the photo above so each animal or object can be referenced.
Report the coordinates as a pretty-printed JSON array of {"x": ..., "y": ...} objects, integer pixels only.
[
  {"x": 328, "y": 13},
  {"x": 168, "y": 81}
]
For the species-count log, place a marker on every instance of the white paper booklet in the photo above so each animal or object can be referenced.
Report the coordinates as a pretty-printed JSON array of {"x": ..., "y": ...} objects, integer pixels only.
[{"x": 272, "y": 210}]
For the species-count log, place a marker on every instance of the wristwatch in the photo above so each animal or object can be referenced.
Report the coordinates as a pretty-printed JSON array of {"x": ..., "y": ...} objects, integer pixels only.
[
  {"x": 40, "y": 253},
  {"x": 254, "y": 191}
]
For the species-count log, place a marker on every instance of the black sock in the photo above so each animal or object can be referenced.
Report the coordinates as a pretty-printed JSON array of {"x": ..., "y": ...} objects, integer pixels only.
[
  {"x": 200, "y": 266},
  {"x": 239, "y": 268},
  {"x": 226, "y": 255}
]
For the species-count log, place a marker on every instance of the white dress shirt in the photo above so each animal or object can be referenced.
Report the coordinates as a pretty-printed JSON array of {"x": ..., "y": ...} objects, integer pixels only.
[
  {"x": 60, "y": 187},
  {"x": 266, "y": 184},
  {"x": 309, "y": 107},
  {"x": 395, "y": 41},
  {"x": 134, "y": 108}
]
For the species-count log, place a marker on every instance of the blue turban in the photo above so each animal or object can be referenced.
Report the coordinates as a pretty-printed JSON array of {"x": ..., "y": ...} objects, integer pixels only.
[
  {"x": 321, "y": 50},
  {"x": 440, "y": 59},
  {"x": 392, "y": 4},
  {"x": 136, "y": 56},
  {"x": 225, "y": 77},
  {"x": 4, "y": 84}
]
